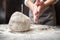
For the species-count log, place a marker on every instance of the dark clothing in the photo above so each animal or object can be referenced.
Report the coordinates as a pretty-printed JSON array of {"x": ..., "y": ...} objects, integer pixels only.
[{"x": 47, "y": 16}]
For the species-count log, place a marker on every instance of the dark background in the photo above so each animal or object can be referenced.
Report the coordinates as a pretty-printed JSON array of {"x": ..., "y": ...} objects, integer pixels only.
[
  {"x": 15, "y": 5},
  {"x": 18, "y": 5},
  {"x": 2, "y": 12},
  {"x": 57, "y": 8}
]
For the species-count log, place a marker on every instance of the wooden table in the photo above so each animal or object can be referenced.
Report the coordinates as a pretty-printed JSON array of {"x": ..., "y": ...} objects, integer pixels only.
[{"x": 36, "y": 33}]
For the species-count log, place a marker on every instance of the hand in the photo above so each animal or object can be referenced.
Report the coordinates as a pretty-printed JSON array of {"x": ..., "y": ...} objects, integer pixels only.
[
  {"x": 35, "y": 12},
  {"x": 37, "y": 9}
]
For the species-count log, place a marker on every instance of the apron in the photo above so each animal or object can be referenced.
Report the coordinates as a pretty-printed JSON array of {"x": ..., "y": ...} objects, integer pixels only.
[{"x": 47, "y": 16}]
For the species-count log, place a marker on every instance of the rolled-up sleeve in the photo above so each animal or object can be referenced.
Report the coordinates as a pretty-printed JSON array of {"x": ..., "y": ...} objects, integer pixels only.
[{"x": 25, "y": 2}]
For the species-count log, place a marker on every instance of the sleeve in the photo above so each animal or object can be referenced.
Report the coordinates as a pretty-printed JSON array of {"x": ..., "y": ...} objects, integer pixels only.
[
  {"x": 55, "y": 2},
  {"x": 25, "y": 2}
]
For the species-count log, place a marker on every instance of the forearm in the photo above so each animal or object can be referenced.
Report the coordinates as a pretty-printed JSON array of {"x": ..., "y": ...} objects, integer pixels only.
[{"x": 49, "y": 2}]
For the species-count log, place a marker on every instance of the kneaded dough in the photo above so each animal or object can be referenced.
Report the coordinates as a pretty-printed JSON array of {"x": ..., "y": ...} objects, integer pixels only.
[{"x": 19, "y": 22}]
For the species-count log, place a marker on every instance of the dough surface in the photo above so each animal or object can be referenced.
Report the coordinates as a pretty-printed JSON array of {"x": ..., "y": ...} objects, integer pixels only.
[{"x": 19, "y": 22}]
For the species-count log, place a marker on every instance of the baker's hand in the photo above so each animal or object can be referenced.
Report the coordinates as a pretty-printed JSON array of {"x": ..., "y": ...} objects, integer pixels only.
[{"x": 37, "y": 10}]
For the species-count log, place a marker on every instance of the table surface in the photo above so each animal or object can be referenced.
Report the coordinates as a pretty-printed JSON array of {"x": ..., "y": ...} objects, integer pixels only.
[{"x": 37, "y": 32}]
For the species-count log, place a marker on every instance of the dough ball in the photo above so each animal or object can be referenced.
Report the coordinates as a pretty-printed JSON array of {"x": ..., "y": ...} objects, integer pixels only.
[{"x": 19, "y": 22}]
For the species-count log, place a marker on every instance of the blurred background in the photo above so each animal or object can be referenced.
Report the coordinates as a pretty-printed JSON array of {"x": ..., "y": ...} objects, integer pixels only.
[
  {"x": 2, "y": 11},
  {"x": 8, "y": 7}
]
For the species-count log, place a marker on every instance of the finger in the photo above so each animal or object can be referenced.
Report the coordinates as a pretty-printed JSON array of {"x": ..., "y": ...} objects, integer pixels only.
[
  {"x": 37, "y": 2},
  {"x": 38, "y": 8},
  {"x": 35, "y": 10},
  {"x": 36, "y": 19},
  {"x": 41, "y": 2},
  {"x": 37, "y": 14}
]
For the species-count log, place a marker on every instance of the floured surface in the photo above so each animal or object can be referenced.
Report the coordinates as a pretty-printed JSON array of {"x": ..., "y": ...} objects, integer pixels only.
[
  {"x": 33, "y": 34},
  {"x": 33, "y": 29}
]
